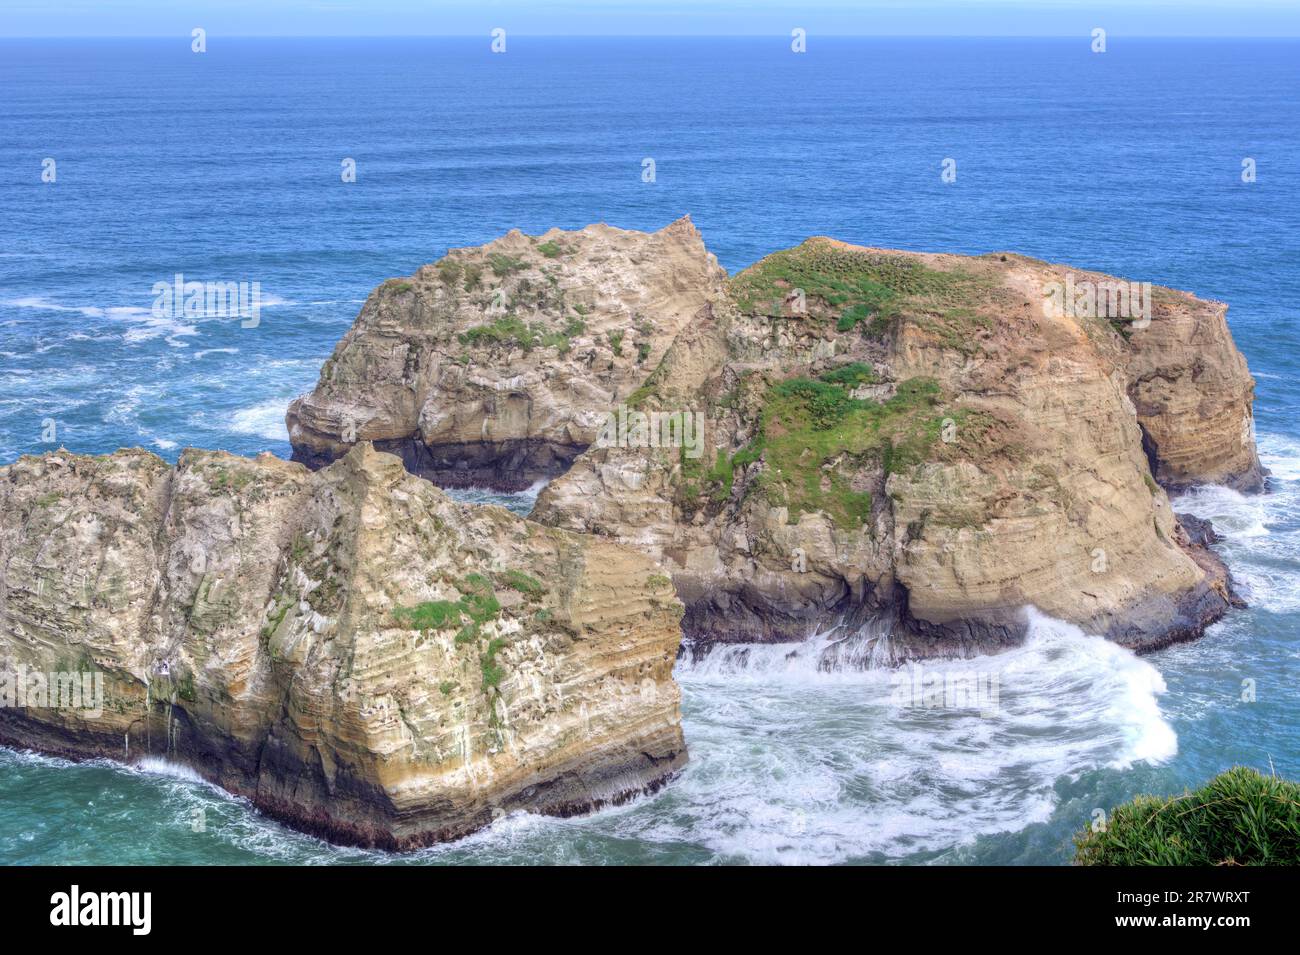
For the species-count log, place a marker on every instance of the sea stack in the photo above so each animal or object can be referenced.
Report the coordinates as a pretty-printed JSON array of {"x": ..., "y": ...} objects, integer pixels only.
[
  {"x": 911, "y": 447},
  {"x": 356, "y": 653},
  {"x": 907, "y": 450}
]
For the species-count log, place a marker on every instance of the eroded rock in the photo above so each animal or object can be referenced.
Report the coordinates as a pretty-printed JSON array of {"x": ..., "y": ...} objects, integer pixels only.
[
  {"x": 493, "y": 367},
  {"x": 898, "y": 437},
  {"x": 353, "y": 651}
]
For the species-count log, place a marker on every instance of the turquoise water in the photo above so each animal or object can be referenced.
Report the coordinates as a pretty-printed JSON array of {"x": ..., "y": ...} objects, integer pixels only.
[{"x": 226, "y": 168}]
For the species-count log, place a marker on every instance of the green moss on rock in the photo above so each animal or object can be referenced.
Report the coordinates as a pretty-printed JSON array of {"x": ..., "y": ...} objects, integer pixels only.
[{"x": 816, "y": 441}]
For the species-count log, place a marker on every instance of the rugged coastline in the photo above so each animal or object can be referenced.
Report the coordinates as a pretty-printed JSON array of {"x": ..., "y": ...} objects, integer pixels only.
[
  {"x": 356, "y": 653},
  {"x": 891, "y": 436},
  {"x": 907, "y": 448}
]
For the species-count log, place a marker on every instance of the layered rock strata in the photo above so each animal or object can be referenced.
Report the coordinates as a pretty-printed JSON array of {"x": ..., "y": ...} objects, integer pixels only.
[
  {"x": 356, "y": 653},
  {"x": 493, "y": 366},
  {"x": 910, "y": 447}
]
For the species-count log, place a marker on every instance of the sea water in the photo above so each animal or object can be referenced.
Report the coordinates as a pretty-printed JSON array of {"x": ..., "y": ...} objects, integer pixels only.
[{"x": 226, "y": 167}]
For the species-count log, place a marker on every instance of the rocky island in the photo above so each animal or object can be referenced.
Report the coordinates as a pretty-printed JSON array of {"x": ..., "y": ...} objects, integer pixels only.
[
  {"x": 904, "y": 449},
  {"x": 912, "y": 447},
  {"x": 357, "y": 654}
]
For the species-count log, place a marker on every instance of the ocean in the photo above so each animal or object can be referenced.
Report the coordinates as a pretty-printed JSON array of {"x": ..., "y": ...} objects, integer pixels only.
[{"x": 226, "y": 166}]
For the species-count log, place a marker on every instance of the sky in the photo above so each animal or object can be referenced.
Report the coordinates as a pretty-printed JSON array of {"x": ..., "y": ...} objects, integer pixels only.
[{"x": 29, "y": 18}]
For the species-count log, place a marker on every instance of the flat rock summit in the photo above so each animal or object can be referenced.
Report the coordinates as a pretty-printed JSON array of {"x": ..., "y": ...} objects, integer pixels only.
[{"x": 904, "y": 450}]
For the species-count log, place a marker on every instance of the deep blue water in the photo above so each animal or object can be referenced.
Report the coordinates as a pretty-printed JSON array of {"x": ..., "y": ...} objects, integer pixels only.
[{"x": 225, "y": 166}]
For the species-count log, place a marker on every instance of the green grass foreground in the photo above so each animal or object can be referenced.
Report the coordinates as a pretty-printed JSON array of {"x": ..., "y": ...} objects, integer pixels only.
[{"x": 1238, "y": 818}]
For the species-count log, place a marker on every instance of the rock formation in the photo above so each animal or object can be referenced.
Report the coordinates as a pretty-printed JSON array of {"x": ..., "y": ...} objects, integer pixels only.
[
  {"x": 353, "y": 651},
  {"x": 907, "y": 448},
  {"x": 912, "y": 447},
  {"x": 493, "y": 367}
]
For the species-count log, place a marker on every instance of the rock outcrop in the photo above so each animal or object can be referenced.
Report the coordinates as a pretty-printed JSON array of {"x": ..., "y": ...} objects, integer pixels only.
[
  {"x": 1193, "y": 395},
  {"x": 907, "y": 449},
  {"x": 493, "y": 367},
  {"x": 353, "y": 651},
  {"x": 910, "y": 447}
]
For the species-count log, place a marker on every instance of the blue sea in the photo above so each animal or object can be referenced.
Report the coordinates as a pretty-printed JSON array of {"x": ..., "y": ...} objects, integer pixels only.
[{"x": 225, "y": 166}]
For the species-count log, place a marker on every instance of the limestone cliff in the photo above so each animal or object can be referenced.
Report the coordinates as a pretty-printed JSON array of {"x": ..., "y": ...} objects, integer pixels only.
[
  {"x": 913, "y": 447},
  {"x": 353, "y": 651}
]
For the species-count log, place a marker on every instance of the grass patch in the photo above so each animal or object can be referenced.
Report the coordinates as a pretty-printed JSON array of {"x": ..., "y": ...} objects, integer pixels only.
[
  {"x": 510, "y": 330},
  {"x": 518, "y": 580},
  {"x": 503, "y": 265},
  {"x": 492, "y": 672},
  {"x": 855, "y": 284},
  {"x": 851, "y": 375},
  {"x": 814, "y": 439},
  {"x": 557, "y": 340},
  {"x": 551, "y": 250},
  {"x": 478, "y": 602},
  {"x": 1239, "y": 817},
  {"x": 449, "y": 271},
  {"x": 431, "y": 615},
  {"x": 222, "y": 479},
  {"x": 506, "y": 330},
  {"x": 956, "y": 328}
]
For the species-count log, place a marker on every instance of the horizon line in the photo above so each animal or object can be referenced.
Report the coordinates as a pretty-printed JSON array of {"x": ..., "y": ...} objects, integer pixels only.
[{"x": 650, "y": 36}]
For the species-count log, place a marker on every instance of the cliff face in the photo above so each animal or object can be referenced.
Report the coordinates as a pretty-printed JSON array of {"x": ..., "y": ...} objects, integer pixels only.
[
  {"x": 493, "y": 367},
  {"x": 350, "y": 649},
  {"x": 911, "y": 446},
  {"x": 1193, "y": 395}
]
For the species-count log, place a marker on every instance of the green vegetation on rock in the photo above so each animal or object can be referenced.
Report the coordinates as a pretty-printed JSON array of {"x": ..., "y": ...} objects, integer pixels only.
[
  {"x": 518, "y": 580},
  {"x": 449, "y": 270},
  {"x": 1239, "y": 817},
  {"x": 816, "y": 442},
  {"x": 185, "y": 688},
  {"x": 863, "y": 288},
  {"x": 512, "y": 330},
  {"x": 492, "y": 673},
  {"x": 851, "y": 375},
  {"x": 478, "y": 602},
  {"x": 430, "y": 615},
  {"x": 508, "y": 329},
  {"x": 503, "y": 265},
  {"x": 477, "y": 605}
]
